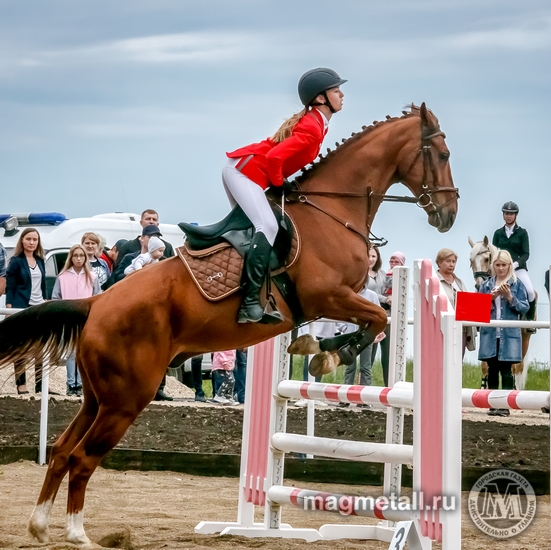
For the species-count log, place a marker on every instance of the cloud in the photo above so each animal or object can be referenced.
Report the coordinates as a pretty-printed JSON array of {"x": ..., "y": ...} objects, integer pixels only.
[
  {"x": 192, "y": 47},
  {"x": 168, "y": 48}
]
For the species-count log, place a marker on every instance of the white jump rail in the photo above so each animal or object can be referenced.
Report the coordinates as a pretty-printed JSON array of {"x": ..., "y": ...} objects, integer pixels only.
[
  {"x": 401, "y": 395},
  {"x": 43, "y": 435}
]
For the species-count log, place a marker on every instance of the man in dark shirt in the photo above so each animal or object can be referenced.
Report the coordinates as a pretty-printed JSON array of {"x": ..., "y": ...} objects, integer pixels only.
[
  {"x": 514, "y": 239},
  {"x": 148, "y": 218}
]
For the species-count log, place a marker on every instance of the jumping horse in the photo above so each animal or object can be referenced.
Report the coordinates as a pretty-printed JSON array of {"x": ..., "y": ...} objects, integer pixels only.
[
  {"x": 126, "y": 337},
  {"x": 482, "y": 255}
]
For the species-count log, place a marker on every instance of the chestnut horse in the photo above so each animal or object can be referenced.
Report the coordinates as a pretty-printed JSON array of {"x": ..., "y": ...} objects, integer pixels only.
[
  {"x": 126, "y": 338},
  {"x": 482, "y": 255}
]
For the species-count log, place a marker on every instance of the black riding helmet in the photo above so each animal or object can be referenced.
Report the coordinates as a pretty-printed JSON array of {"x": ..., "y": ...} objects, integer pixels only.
[
  {"x": 510, "y": 207},
  {"x": 315, "y": 82}
]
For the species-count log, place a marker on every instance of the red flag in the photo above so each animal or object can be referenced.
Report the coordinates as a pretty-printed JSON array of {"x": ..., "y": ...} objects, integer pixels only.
[{"x": 471, "y": 306}]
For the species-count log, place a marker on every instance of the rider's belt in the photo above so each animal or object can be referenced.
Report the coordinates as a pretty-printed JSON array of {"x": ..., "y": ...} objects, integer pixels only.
[{"x": 242, "y": 162}]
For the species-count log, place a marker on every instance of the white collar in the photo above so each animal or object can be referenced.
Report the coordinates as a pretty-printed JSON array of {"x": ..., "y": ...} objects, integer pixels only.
[{"x": 324, "y": 118}]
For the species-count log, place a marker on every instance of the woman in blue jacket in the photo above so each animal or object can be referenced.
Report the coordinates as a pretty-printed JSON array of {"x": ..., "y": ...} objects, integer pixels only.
[
  {"x": 501, "y": 347},
  {"x": 26, "y": 286}
]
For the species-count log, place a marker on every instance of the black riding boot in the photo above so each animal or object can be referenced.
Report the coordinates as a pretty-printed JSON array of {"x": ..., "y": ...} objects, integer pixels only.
[{"x": 256, "y": 265}]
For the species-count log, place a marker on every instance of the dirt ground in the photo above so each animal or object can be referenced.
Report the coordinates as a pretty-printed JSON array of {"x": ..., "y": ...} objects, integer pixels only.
[
  {"x": 520, "y": 442},
  {"x": 154, "y": 510},
  {"x": 159, "y": 510}
]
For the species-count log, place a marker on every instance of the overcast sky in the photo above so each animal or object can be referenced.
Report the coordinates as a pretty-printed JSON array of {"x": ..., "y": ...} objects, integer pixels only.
[{"x": 120, "y": 106}]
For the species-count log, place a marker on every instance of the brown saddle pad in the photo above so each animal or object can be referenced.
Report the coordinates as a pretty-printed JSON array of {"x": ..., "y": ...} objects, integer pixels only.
[{"x": 217, "y": 270}]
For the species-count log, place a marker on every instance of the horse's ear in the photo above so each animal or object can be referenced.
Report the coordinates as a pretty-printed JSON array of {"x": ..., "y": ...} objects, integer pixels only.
[
  {"x": 423, "y": 113},
  {"x": 485, "y": 240},
  {"x": 471, "y": 242}
]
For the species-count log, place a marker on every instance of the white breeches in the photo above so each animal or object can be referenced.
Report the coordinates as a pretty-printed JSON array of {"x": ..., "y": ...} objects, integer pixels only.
[
  {"x": 522, "y": 274},
  {"x": 250, "y": 196}
]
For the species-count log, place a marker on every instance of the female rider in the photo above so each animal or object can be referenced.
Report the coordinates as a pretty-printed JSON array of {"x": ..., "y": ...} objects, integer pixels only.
[{"x": 252, "y": 169}]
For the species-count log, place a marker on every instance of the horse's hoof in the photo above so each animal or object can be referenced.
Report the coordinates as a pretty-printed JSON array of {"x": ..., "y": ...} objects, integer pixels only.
[
  {"x": 304, "y": 345},
  {"x": 40, "y": 532},
  {"x": 323, "y": 363},
  {"x": 38, "y": 524}
]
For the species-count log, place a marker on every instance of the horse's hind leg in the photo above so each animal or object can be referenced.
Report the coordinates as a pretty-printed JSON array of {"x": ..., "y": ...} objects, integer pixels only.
[
  {"x": 108, "y": 428},
  {"x": 58, "y": 467}
]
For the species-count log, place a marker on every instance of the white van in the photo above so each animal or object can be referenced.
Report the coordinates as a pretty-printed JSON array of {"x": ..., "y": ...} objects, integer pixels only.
[{"x": 58, "y": 234}]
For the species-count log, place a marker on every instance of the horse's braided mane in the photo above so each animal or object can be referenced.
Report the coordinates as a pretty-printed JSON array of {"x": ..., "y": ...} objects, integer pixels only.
[{"x": 307, "y": 172}]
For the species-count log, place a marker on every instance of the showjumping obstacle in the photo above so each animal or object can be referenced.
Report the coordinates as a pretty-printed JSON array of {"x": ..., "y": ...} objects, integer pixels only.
[{"x": 433, "y": 513}]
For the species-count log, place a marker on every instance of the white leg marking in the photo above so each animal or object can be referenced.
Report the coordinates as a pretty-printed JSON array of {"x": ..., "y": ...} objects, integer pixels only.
[
  {"x": 74, "y": 530},
  {"x": 38, "y": 524}
]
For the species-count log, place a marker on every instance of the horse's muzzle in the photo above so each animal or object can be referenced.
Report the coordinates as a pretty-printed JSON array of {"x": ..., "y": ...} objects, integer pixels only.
[{"x": 442, "y": 220}]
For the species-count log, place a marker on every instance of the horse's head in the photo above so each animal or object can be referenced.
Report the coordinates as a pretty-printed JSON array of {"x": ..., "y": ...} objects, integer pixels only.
[
  {"x": 482, "y": 255},
  {"x": 425, "y": 171}
]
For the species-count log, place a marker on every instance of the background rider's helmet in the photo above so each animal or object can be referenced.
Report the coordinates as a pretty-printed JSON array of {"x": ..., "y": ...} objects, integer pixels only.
[
  {"x": 315, "y": 82},
  {"x": 510, "y": 207}
]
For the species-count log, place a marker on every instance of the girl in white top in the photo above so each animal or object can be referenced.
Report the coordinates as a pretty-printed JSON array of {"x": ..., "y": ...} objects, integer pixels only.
[{"x": 155, "y": 250}]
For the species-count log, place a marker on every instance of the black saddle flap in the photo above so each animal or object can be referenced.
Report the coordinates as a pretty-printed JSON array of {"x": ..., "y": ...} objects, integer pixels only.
[
  {"x": 237, "y": 229},
  {"x": 199, "y": 237}
]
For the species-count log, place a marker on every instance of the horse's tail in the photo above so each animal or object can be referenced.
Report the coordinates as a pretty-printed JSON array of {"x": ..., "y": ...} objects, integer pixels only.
[{"x": 53, "y": 327}]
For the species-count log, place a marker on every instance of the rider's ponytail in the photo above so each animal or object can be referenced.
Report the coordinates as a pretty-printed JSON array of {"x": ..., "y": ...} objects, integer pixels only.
[{"x": 286, "y": 129}]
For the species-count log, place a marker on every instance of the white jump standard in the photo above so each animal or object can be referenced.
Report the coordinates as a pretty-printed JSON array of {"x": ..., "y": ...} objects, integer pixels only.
[{"x": 436, "y": 398}]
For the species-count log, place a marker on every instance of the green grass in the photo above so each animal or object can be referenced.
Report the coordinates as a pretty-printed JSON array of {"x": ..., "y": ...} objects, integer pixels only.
[
  {"x": 538, "y": 378},
  {"x": 337, "y": 377}
]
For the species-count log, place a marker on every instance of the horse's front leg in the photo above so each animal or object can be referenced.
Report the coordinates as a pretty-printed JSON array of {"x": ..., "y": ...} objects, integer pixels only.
[{"x": 329, "y": 353}]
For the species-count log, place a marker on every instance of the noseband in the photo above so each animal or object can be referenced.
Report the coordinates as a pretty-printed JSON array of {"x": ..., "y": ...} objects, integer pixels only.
[{"x": 424, "y": 200}]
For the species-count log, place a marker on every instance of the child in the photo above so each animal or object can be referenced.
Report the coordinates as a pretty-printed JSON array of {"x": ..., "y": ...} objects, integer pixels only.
[
  {"x": 223, "y": 381},
  {"x": 155, "y": 250},
  {"x": 76, "y": 281}
]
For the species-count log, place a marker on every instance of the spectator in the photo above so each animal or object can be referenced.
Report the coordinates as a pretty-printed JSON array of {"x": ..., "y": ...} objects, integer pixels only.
[
  {"x": 118, "y": 274},
  {"x": 446, "y": 260},
  {"x": 2, "y": 269},
  {"x": 197, "y": 378},
  {"x": 148, "y": 217},
  {"x": 240, "y": 374},
  {"x": 546, "y": 282},
  {"x": 26, "y": 286},
  {"x": 365, "y": 355},
  {"x": 501, "y": 347},
  {"x": 397, "y": 259},
  {"x": 223, "y": 382},
  {"x": 376, "y": 281},
  {"x": 76, "y": 280},
  {"x": 91, "y": 243},
  {"x": 155, "y": 251},
  {"x": 514, "y": 239},
  {"x": 110, "y": 255}
]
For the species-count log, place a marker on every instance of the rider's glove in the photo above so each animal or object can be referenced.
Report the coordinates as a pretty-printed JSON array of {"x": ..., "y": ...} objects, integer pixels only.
[{"x": 282, "y": 190}]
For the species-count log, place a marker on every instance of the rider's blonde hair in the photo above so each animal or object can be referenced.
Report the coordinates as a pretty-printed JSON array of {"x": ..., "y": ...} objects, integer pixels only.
[
  {"x": 504, "y": 256},
  {"x": 286, "y": 129}
]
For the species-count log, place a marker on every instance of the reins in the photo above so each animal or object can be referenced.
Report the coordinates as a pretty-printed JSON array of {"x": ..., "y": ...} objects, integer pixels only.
[{"x": 424, "y": 200}]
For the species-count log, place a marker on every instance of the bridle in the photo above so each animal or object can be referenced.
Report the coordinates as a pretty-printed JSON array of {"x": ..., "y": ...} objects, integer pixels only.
[
  {"x": 484, "y": 275},
  {"x": 424, "y": 200}
]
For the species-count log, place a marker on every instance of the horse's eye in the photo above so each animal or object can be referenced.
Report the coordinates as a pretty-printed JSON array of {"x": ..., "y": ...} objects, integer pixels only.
[{"x": 444, "y": 156}]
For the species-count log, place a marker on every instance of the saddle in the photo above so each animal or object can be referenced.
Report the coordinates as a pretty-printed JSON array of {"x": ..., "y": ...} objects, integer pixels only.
[{"x": 214, "y": 254}]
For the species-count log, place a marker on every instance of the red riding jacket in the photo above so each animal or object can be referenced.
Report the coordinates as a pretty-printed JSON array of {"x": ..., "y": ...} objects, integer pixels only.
[{"x": 268, "y": 163}]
